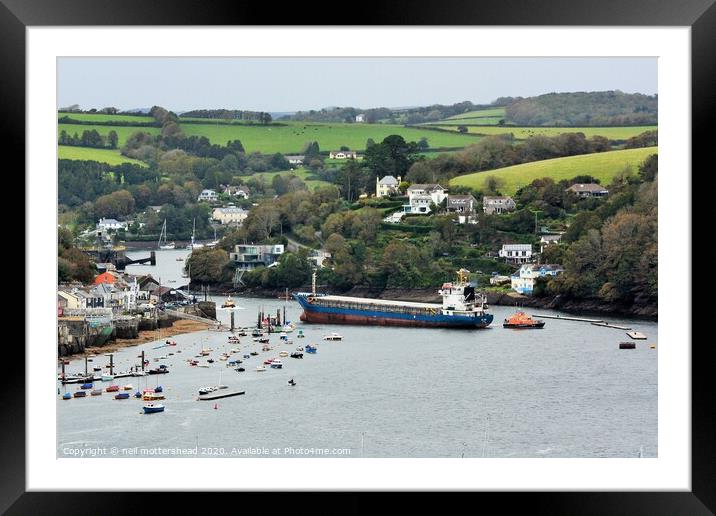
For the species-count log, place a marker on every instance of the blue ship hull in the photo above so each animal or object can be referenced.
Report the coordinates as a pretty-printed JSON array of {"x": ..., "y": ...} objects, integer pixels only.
[{"x": 326, "y": 314}]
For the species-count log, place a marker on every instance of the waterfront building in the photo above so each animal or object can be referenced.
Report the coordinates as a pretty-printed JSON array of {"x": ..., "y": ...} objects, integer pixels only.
[
  {"x": 230, "y": 215},
  {"x": 523, "y": 280},
  {"x": 67, "y": 299},
  {"x": 496, "y": 205},
  {"x": 386, "y": 186},
  {"x": 249, "y": 257},
  {"x": 516, "y": 253},
  {"x": 588, "y": 190},
  {"x": 106, "y": 224},
  {"x": 208, "y": 196}
]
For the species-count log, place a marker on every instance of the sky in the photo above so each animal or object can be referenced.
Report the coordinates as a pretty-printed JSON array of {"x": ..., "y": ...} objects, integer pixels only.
[{"x": 303, "y": 83}]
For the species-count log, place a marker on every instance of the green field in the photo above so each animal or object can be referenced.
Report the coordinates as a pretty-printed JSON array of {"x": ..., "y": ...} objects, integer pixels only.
[
  {"x": 522, "y": 133},
  {"x": 492, "y": 112},
  {"x": 123, "y": 132},
  {"x": 299, "y": 172},
  {"x": 603, "y": 166},
  {"x": 112, "y": 157},
  {"x": 486, "y": 120},
  {"x": 99, "y": 118},
  {"x": 291, "y": 138}
]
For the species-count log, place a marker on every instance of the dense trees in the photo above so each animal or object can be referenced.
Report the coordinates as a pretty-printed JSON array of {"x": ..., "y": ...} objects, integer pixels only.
[
  {"x": 209, "y": 266},
  {"x": 72, "y": 264},
  {"x": 613, "y": 255},
  {"x": 584, "y": 109}
]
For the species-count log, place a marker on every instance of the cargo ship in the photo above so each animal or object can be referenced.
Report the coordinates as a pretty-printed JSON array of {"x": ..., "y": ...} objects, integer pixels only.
[{"x": 461, "y": 307}]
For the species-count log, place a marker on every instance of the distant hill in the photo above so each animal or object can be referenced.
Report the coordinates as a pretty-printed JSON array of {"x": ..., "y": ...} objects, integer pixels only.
[{"x": 596, "y": 108}]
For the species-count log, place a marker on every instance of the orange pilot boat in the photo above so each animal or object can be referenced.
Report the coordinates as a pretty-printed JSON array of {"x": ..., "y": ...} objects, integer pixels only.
[{"x": 521, "y": 320}]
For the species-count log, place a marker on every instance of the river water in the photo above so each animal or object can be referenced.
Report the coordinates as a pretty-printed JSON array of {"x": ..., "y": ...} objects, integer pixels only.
[{"x": 563, "y": 391}]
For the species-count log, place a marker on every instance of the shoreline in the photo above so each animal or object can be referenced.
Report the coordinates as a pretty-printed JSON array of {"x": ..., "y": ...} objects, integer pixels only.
[
  {"x": 497, "y": 298},
  {"x": 180, "y": 327}
]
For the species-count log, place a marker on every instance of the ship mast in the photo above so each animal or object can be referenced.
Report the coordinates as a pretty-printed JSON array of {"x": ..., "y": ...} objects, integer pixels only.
[{"x": 313, "y": 283}]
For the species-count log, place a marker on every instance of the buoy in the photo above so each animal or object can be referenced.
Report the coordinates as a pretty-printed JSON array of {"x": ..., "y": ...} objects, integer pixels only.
[
  {"x": 653, "y": 346},
  {"x": 216, "y": 406}
]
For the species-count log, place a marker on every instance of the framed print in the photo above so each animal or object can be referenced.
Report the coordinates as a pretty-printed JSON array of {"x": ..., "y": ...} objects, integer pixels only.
[{"x": 418, "y": 252}]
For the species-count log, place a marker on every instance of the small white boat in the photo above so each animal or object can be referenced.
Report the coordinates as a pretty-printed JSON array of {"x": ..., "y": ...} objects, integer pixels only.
[
  {"x": 107, "y": 377},
  {"x": 276, "y": 364},
  {"x": 283, "y": 354},
  {"x": 260, "y": 369},
  {"x": 333, "y": 336}
]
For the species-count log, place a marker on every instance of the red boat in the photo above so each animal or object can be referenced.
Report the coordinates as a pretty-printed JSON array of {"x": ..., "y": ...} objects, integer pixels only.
[
  {"x": 521, "y": 320},
  {"x": 113, "y": 388}
]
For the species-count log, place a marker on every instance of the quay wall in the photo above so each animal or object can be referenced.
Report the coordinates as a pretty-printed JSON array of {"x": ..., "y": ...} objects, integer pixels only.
[{"x": 76, "y": 333}]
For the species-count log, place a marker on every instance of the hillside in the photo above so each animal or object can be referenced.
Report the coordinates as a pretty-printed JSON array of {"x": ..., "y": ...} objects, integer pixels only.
[
  {"x": 289, "y": 138},
  {"x": 522, "y": 133},
  {"x": 584, "y": 108},
  {"x": 603, "y": 166},
  {"x": 109, "y": 156}
]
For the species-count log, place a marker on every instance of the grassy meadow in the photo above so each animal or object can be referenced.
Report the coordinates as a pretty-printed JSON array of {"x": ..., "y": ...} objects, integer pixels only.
[
  {"x": 292, "y": 138},
  {"x": 100, "y": 118},
  {"x": 522, "y": 133},
  {"x": 603, "y": 166},
  {"x": 109, "y": 156},
  {"x": 301, "y": 173}
]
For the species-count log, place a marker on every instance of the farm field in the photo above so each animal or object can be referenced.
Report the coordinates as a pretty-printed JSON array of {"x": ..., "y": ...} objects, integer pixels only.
[
  {"x": 292, "y": 138},
  {"x": 123, "y": 132},
  {"x": 603, "y": 166},
  {"x": 483, "y": 120},
  {"x": 99, "y": 118},
  {"x": 109, "y": 156},
  {"x": 492, "y": 112},
  {"x": 302, "y": 173},
  {"x": 522, "y": 133}
]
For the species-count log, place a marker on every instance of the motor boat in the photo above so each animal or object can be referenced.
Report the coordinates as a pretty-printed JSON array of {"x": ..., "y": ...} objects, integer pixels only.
[
  {"x": 333, "y": 336},
  {"x": 151, "y": 408},
  {"x": 276, "y": 364},
  {"x": 229, "y": 303}
]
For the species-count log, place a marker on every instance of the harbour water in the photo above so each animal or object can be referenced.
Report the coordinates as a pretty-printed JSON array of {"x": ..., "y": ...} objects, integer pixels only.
[{"x": 563, "y": 391}]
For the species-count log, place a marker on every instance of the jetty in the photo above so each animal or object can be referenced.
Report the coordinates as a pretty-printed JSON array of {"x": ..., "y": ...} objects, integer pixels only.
[
  {"x": 610, "y": 325},
  {"x": 219, "y": 395},
  {"x": 566, "y": 318},
  {"x": 598, "y": 322}
]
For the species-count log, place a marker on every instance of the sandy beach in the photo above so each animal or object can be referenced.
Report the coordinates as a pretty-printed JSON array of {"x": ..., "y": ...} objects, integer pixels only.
[{"x": 179, "y": 327}]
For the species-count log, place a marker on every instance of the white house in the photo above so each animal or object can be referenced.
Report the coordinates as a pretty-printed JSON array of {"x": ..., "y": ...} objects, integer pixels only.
[
  {"x": 493, "y": 205},
  {"x": 420, "y": 196},
  {"x": 516, "y": 253},
  {"x": 523, "y": 280},
  {"x": 343, "y": 155},
  {"x": 295, "y": 159},
  {"x": 360, "y": 118},
  {"x": 588, "y": 190},
  {"x": 230, "y": 215},
  {"x": 386, "y": 186},
  {"x": 105, "y": 224},
  {"x": 548, "y": 240},
  {"x": 208, "y": 195}
]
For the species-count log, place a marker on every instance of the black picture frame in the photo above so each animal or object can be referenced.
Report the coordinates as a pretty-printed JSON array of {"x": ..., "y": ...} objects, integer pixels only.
[{"x": 700, "y": 15}]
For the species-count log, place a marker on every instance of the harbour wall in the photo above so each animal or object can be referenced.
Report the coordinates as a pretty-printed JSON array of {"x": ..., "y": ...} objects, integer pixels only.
[{"x": 76, "y": 333}]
